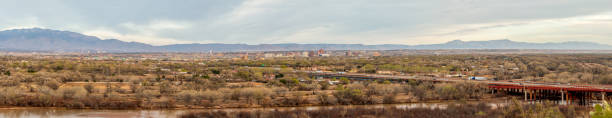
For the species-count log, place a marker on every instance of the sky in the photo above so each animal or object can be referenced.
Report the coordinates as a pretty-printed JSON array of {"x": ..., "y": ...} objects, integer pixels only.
[{"x": 410, "y": 22}]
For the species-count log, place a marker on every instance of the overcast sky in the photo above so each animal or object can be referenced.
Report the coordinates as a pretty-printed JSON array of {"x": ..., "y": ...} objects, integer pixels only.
[{"x": 161, "y": 22}]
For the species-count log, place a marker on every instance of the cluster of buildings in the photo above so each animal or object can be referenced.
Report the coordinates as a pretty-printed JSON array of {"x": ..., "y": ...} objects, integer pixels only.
[
  {"x": 318, "y": 53},
  {"x": 199, "y": 56}
]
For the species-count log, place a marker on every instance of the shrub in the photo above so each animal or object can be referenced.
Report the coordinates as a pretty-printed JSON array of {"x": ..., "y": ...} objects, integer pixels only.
[
  {"x": 421, "y": 91},
  {"x": 350, "y": 95},
  {"x": 389, "y": 99},
  {"x": 296, "y": 99},
  {"x": 166, "y": 87},
  {"x": 325, "y": 99},
  {"x": 89, "y": 88},
  {"x": 134, "y": 87},
  {"x": 52, "y": 84},
  {"x": 280, "y": 90},
  {"x": 211, "y": 95},
  {"x": 255, "y": 94},
  {"x": 10, "y": 95},
  {"x": 76, "y": 92},
  {"x": 188, "y": 97},
  {"x": 324, "y": 85},
  {"x": 600, "y": 111},
  {"x": 93, "y": 101},
  {"x": 165, "y": 102},
  {"x": 308, "y": 87},
  {"x": 380, "y": 89},
  {"x": 9, "y": 81},
  {"x": 148, "y": 94}
]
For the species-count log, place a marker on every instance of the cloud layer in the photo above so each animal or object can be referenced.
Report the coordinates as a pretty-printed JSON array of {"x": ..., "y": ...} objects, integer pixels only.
[{"x": 161, "y": 22}]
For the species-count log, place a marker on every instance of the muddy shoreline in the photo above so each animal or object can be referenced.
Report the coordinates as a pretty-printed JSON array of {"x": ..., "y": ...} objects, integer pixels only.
[
  {"x": 489, "y": 100},
  {"x": 177, "y": 112}
]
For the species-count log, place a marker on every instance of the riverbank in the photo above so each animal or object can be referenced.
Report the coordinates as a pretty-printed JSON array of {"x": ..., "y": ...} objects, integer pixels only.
[
  {"x": 509, "y": 108},
  {"x": 514, "y": 109},
  {"x": 174, "y": 113},
  {"x": 488, "y": 100}
]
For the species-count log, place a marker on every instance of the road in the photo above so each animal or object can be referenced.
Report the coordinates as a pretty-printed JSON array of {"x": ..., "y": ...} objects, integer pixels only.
[{"x": 491, "y": 83}]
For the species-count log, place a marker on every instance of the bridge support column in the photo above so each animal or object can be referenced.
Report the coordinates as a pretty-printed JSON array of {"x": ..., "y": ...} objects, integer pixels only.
[
  {"x": 581, "y": 101},
  {"x": 537, "y": 96},
  {"x": 531, "y": 95},
  {"x": 546, "y": 94},
  {"x": 567, "y": 97},
  {"x": 534, "y": 94},
  {"x": 562, "y": 96},
  {"x": 525, "y": 91},
  {"x": 603, "y": 96}
]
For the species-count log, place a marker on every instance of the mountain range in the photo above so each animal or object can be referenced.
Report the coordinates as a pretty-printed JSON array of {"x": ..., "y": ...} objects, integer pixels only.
[{"x": 37, "y": 39}]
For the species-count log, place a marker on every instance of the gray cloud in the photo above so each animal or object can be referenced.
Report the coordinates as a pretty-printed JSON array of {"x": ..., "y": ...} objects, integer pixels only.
[{"x": 316, "y": 21}]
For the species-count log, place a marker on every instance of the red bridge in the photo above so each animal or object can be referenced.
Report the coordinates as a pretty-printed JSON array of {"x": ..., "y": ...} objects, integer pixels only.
[
  {"x": 531, "y": 91},
  {"x": 566, "y": 94}
]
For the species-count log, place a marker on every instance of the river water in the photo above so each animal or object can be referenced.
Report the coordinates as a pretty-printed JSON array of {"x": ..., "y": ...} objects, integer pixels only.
[{"x": 87, "y": 113}]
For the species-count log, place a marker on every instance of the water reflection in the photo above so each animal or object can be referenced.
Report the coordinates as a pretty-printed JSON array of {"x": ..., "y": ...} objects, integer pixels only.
[{"x": 80, "y": 113}]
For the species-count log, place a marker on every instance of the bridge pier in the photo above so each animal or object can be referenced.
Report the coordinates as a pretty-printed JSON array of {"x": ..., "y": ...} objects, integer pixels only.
[
  {"x": 530, "y": 95},
  {"x": 525, "y": 92},
  {"x": 569, "y": 97},
  {"x": 603, "y": 96},
  {"x": 538, "y": 96},
  {"x": 562, "y": 96},
  {"x": 581, "y": 96}
]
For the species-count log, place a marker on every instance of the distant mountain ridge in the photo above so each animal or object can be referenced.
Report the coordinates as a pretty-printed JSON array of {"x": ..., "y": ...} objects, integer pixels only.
[
  {"x": 37, "y": 39},
  {"x": 508, "y": 44}
]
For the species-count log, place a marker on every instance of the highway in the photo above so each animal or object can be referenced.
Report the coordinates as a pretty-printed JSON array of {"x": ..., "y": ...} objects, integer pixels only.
[{"x": 491, "y": 83}]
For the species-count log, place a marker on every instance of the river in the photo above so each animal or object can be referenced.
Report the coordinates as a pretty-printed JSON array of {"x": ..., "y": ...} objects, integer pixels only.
[{"x": 174, "y": 113}]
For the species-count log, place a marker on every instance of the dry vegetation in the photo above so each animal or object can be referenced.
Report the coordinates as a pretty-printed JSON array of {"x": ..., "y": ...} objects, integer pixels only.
[{"x": 155, "y": 84}]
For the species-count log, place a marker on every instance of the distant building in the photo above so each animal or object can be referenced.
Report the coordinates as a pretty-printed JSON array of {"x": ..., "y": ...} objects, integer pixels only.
[
  {"x": 269, "y": 55},
  {"x": 279, "y": 55},
  {"x": 376, "y": 54},
  {"x": 219, "y": 55},
  {"x": 321, "y": 51},
  {"x": 291, "y": 54},
  {"x": 245, "y": 56},
  {"x": 348, "y": 53},
  {"x": 305, "y": 54},
  {"x": 312, "y": 54}
]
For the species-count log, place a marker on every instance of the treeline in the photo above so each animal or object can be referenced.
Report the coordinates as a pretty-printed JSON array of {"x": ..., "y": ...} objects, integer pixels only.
[
  {"x": 566, "y": 68},
  {"x": 152, "y": 84},
  {"x": 167, "y": 94}
]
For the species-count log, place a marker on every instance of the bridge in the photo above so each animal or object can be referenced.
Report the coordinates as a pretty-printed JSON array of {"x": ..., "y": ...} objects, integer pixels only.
[{"x": 531, "y": 91}]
